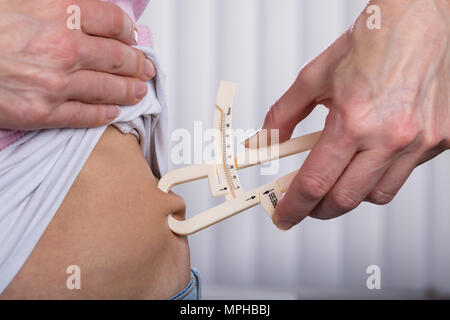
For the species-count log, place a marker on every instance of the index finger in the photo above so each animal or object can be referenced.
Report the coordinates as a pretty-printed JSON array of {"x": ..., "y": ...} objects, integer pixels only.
[
  {"x": 320, "y": 171},
  {"x": 104, "y": 19}
]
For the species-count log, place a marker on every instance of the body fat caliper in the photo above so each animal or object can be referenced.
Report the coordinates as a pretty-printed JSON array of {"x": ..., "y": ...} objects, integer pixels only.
[{"x": 222, "y": 172}]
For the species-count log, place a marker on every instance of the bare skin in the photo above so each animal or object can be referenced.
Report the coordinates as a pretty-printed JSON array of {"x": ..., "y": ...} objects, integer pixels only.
[{"x": 113, "y": 225}]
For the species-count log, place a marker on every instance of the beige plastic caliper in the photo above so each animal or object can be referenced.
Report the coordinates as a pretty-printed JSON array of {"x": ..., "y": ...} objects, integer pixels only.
[{"x": 222, "y": 172}]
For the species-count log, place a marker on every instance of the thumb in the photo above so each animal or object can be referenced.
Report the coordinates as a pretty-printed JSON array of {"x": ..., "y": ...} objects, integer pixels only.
[{"x": 312, "y": 86}]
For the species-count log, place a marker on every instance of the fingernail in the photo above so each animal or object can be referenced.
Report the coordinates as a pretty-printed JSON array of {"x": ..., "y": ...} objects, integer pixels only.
[
  {"x": 284, "y": 225},
  {"x": 141, "y": 90},
  {"x": 252, "y": 140},
  {"x": 149, "y": 69},
  {"x": 136, "y": 36},
  {"x": 112, "y": 112}
]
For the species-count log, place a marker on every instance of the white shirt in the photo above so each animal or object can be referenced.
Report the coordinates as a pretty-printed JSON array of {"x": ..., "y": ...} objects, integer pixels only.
[{"x": 37, "y": 171}]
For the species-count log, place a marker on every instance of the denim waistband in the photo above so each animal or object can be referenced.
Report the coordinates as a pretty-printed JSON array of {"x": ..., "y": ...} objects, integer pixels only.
[{"x": 193, "y": 290}]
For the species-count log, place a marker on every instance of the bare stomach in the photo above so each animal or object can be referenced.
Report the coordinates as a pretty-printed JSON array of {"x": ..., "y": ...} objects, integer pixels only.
[{"x": 113, "y": 225}]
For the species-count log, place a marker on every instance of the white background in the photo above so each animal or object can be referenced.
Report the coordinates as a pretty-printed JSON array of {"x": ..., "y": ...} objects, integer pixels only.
[{"x": 261, "y": 45}]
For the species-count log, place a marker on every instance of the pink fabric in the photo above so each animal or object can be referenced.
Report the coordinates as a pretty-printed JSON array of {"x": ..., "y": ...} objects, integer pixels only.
[
  {"x": 134, "y": 8},
  {"x": 9, "y": 136},
  {"x": 145, "y": 36}
]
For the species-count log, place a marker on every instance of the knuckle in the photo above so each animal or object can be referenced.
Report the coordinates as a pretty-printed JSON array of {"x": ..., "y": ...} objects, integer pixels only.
[
  {"x": 38, "y": 112},
  {"x": 140, "y": 62},
  {"x": 78, "y": 115},
  {"x": 399, "y": 137},
  {"x": 130, "y": 90},
  {"x": 430, "y": 139},
  {"x": 95, "y": 119},
  {"x": 313, "y": 187},
  {"x": 118, "y": 21},
  {"x": 53, "y": 82},
  {"x": 380, "y": 197},
  {"x": 102, "y": 93},
  {"x": 356, "y": 123},
  {"x": 273, "y": 112},
  {"x": 62, "y": 47},
  {"x": 118, "y": 56},
  {"x": 275, "y": 120},
  {"x": 344, "y": 199}
]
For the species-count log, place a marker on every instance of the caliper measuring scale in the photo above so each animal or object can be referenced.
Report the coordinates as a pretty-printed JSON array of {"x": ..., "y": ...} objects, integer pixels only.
[{"x": 222, "y": 173}]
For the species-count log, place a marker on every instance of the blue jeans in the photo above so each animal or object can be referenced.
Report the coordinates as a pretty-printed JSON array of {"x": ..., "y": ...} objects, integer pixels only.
[{"x": 192, "y": 291}]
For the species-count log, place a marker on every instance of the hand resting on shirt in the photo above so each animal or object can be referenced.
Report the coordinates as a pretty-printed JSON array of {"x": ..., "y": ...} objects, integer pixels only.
[{"x": 52, "y": 76}]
